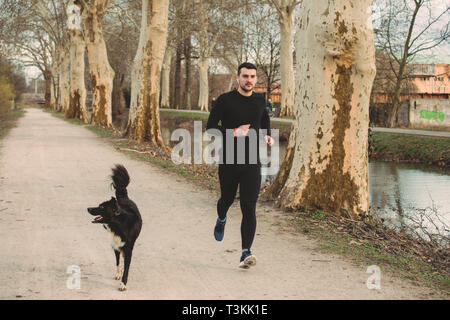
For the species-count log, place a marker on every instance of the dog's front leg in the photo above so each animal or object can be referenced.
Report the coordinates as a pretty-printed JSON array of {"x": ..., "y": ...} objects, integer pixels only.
[
  {"x": 127, "y": 260},
  {"x": 118, "y": 265}
]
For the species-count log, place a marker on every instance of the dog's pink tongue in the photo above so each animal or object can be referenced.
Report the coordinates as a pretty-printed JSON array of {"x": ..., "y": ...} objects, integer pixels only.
[{"x": 98, "y": 218}]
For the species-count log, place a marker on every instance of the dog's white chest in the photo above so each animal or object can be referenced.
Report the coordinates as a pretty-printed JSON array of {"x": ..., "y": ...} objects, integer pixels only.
[{"x": 116, "y": 241}]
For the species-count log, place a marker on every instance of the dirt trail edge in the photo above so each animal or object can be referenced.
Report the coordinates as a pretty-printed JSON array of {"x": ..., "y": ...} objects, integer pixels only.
[{"x": 51, "y": 171}]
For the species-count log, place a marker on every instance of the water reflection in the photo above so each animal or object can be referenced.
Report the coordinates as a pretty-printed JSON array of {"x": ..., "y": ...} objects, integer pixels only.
[{"x": 402, "y": 193}]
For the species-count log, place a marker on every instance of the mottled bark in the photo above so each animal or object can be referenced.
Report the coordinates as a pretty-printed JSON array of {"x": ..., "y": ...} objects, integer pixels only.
[
  {"x": 54, "y": 71},
  {"x": 286, "y": 21},
  {"x": 165, "y": 78},
  {"x": 205, "y": 48},
  {"x": 144, "y": 121},
  {"x": 77, "y": 97},
  {"x": 203, "y": 100},
  {"x": 54, "y": 93},
  {"x": 274, "y": 189},
  {"x": 48, "y": 88},
  {"x": 100, "y": 71},
  {"x": 336, "y": 57},
  {"x": 64, "y": 82}
]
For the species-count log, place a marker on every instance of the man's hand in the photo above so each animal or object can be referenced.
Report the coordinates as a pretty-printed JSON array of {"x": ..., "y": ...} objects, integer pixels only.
[
  {"x": 269, "y": 140},
  {"x": 242, "y": 130}
]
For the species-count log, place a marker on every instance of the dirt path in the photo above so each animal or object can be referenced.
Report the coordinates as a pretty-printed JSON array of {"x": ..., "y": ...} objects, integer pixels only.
[{"x": 51, "y": 170}]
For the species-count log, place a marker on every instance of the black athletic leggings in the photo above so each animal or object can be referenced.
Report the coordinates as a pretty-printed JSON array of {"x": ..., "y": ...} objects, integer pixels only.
[{"x": 248, "y": 176}]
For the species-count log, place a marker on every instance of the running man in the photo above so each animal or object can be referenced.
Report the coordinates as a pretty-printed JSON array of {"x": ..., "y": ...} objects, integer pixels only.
[{"x": 244, "y": 113}]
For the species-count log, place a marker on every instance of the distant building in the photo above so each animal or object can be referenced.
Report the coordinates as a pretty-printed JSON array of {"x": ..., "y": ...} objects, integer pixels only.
[
  {"x": 431, "y": 80},
  {"x": 424, "y": 97},
  {"x": 275, "y": 91},
  {"x": 428, "y": 78}
]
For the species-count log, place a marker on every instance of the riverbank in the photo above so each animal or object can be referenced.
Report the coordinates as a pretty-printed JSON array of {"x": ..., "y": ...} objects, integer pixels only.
[
  {"x": 411, "y": 148},
  {"x": 364, "y": 240}
]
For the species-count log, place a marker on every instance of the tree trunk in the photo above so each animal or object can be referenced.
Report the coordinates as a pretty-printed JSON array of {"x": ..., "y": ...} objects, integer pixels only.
[
  {"x": 54, "y": 100},
  {"x": 205, "y": 51},
  {"x": 187, "y": 72},
  {"x": 77, "y": 96},
  {"x": 273, "y": 191},
  {"x": 64, "y": 82},
  {"x": 54, "y": 92},
  {"x": 269, "y": 88},
  {"x": 392, "y": 117},
  {"x": 231, "y": 83},
  {"x": 48, "y": 88},
  {"x": 100, "y": 71},
  {"x": 178, "y": 58},
  {"x": 144, "y": 121},
  {"x": 203, "y": 99},
  {"x": 165, "y": 78},
  {"x": 118, "y": 100},
  {"x": 286, "y": 22},
  {"x": 53, "y": 97},
  {"x": 336, "y": 56}
]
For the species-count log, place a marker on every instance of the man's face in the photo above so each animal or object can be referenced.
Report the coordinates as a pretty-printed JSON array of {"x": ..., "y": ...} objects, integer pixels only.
[{"x": 247, "y": 79}]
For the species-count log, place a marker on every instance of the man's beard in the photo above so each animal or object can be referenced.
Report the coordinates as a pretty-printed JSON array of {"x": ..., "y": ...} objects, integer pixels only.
[{"x": 245, "y": 89}]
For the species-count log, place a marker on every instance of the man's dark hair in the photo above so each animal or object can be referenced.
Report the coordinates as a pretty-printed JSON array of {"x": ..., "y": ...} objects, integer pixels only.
[{"x": 246, "y": 65}]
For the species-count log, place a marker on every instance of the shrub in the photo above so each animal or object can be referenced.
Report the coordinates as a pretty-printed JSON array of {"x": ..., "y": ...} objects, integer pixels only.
[{"x": 6, "y": 94}]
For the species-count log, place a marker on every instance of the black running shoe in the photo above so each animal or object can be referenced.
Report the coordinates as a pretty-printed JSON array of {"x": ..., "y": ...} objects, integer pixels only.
[
  {"x": 219, "y": 229},
  {"x": 247, "y": 260}
]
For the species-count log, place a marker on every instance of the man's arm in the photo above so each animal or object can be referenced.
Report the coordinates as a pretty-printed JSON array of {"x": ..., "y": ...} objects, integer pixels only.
[
  {"x": 265, "y": 121},
  {"x": 265, "y": 124},
  {"x": 215, "y": 116}
]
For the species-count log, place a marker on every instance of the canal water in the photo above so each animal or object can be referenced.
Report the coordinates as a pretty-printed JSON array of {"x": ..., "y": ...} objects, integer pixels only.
[
  {"x": 410, "y": 194},
  {"x": 401, "y": 194}
]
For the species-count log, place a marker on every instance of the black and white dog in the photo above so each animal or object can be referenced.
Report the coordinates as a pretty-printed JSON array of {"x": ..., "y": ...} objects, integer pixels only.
[{"x": 121, "y": 217}]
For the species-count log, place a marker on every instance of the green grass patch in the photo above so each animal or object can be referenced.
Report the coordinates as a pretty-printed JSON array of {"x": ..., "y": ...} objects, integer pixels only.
[
  {"x": 8, "y": 120},
  {"x": 183, "y": 115},
  {"x": 430, "y": 150},
  {"x": 61, "y": 115},
  {"x": 55, "y": 113},
  {"x": 319, "y": 215},
  {"x": 101, "y": 131}
]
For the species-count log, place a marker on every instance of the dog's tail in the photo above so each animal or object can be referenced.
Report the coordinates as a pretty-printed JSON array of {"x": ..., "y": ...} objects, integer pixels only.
[{"x": 120, "y": 179}]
